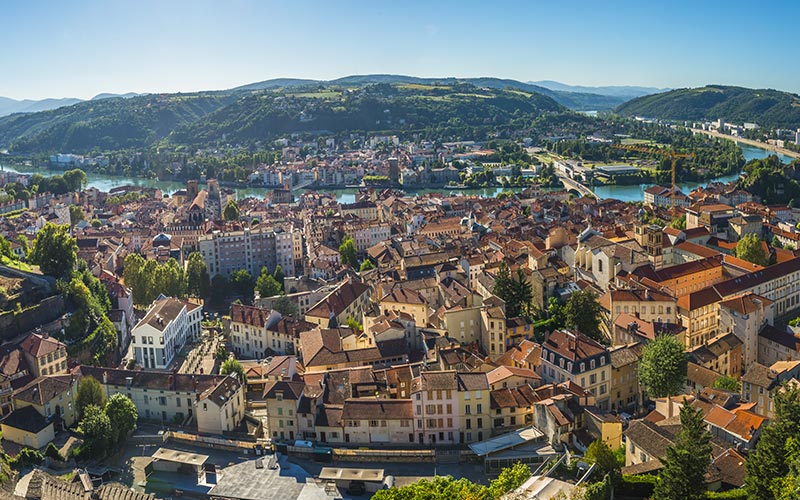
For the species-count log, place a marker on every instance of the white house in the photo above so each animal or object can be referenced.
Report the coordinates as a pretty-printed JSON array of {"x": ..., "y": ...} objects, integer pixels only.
[{"x": 164, "y": 330}]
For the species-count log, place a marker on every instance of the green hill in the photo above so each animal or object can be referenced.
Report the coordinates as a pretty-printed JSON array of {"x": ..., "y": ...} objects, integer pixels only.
[
  {"x": 247, "y": 116},
  {"x": 768, "y": 108}
]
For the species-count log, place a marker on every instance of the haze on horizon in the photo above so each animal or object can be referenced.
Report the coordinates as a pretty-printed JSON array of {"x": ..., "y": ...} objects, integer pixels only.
[{"x": 86, "y": 47}]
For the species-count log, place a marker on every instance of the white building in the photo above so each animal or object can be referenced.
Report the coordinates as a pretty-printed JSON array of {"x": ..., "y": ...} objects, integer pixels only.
[{"x": 162, "y": 333}]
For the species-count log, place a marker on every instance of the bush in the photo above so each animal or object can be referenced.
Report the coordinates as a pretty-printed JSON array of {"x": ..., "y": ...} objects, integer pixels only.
[
  {"x": 26, "y": 457},
  {"x": 640, "y": 486},
  {"x": 737, "y": 494},
  {"x": 52, "y": 452}
]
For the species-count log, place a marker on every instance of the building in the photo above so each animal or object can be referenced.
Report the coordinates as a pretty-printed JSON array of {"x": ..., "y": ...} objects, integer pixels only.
[
  {"x": 348, "y": 300},
  {"x": 44, "y": 354},
  {"x": 378, "y": 421},
  {"x": 215, "y": 403},
  {"x": 760, "y": 382},
  {"x": 626, "y": 393},
  {"x": 257, "y": 333},
  {"x": 251, "y": 249},
  {"x": 745, "y": 316},
  {"x": 26, "y": 427},
  {"x": 574, "y": 356},
  {"x": 436, "y": 407},
  {"x": 52, "y": 396},
  {"x": 164, "y": 330},
  {"x": 660, "y": 196}
]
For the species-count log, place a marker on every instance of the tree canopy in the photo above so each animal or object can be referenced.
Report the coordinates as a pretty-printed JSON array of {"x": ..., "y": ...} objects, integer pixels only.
[
  {"x": 232, "y": 366},
  {"x": 348, "y": 253},
  {"x": 662, "y": 369},
  {"x": 89, "y": 392},
  {"x": 197, "y": 279},
  {"x": 687, "y": 459},
  {"x": 267, "y": 285},
  {"x": 54, "y": 250},
  {"x": 582, "y": 313},
  {"x": 514, "y": 290},
  {"x": 122, "y": 414},
  {"x": 751, "y": 249},
  {"x": 231, "y": 211}
]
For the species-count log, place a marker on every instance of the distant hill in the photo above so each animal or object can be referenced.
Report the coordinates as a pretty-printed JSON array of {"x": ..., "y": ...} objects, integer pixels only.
[
  {"x": 248, "y": 116},
  {"x": 622, "y": 91},
  {"x": 106, "y": 95},
  {"x": 579, "y": 101},
  {"x": 9, "y": 106},
  {"x": 767, "y": 107}
]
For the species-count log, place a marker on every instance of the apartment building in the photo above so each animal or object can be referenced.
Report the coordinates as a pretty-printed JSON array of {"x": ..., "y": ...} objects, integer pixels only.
[
  {"x": 436, "y": 407},
  {"x": 626, "y": 393},
  {"x": 44, "y": 354},
  {"x": 745, "y": 316},
  {"x": 251, "y": 249},
  {"x": 474, "y": 406},
  {"x": 164, "y": 330},
  {"x": 348, "y": 300},
  {"x": 378, "y": 420},
  {"x": 257, "y": 333},
  {"x": 574, "y": 356}
]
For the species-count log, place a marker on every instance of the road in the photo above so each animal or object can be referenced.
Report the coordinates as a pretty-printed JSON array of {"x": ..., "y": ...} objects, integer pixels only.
[{"x": 751, "y": 142}]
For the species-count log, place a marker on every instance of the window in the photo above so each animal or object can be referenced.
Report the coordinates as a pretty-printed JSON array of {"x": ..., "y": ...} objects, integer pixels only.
[
  {"x": 467, "y": 410},
  {"x": 480, "y": 423},
  {"x": 479, "y": 408}
]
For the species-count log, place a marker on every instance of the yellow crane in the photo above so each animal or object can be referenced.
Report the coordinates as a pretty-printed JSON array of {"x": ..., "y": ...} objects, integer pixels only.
[{"x": 668, "y": 153}]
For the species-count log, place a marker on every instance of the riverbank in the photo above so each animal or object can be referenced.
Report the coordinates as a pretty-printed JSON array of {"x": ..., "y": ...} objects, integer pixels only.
[{"x": 749, "y": 142}]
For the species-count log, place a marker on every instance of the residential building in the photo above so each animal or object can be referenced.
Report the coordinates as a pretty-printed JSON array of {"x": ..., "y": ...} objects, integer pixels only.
[
  {"x": 348, "y": 300},
  {"x": 574, "y": 356},
  {"x": 44, "y": 354},
  {"x": 251, "y": 249},
  {"x": 434, "y": 395},
  {"x": 378, "y": 421},
  {"x": 164, "y": 330},
  {"x": 626, "y": 393}
]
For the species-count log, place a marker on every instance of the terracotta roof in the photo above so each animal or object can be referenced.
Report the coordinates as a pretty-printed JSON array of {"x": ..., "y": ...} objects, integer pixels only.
[
  {"x": 40, "y": 345},
  {"x": 377, "y": 409},
  {"x": 43, "y": 389},
  {"x": 338, "y": 300},
  {"x": 746, "y": 303}
]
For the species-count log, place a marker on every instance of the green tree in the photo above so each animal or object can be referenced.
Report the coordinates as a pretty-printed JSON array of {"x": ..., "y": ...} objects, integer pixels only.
[
  {"x": 279, "y": 276},
  {"x": 514, "y": 290},
  {"x": 54, "y": 250},
  {"x": 603, "y": 457},
  {"x": 687, "y": 460},
  {"x": 437, "y": 488},
  {"x": 75, "y": 215},
  {"x": 242, "y": 283},
  {"x": 751, "y": 249},
  {"x": 582, "y": 313},
  {"x": 75, "y": 179},
  {"x": 266, "y": 284},
  {"x": 5, "y": 248},
  {"x": 727, "y": 383},
  {"x": 678, "y": 223},
  {"x": 354, "y": 324},
  {"x": 122, "y": 414},
  {"x": 197, "y": 279},
  {"x": 662, "y": 369},
  {"x": 285, "y": 306},
  {"x": 510, "y": 478},
  {"x": 98, "y": 434},
  {"x": 25, "y": 244},
  {"x": 770, "y": 461},
  {"x": 232, "y": 366},
  {"x": 219, "y": 289},
  {"x": 776, "y": 243},
  {"x": 231, "y": 211},
  {"x": 348, "y": 253},
  {"x": 366, "y": 265},
  {"x": 132, "y": 268},
  {"x": 89, "y": 392},
  {"x": 169, "y": 280}
]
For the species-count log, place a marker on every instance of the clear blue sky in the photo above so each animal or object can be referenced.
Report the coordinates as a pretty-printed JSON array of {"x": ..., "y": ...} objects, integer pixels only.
[{"x": 80, "y": 48}]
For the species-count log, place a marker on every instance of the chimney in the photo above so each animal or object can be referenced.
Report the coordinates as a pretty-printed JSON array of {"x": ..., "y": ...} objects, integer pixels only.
[{"x": 571, "y": 337}]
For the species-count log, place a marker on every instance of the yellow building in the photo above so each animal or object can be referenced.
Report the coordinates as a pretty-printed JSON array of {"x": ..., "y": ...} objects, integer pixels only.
[
  {"x": 53, "y": 396},
  {"x": 44, "y": 354},
  {"x": 406, "y": 300},
  {"x": 26, "y": 427},
  {"x": 474, "y": 406},
  {"x": 626, "y": 394}
]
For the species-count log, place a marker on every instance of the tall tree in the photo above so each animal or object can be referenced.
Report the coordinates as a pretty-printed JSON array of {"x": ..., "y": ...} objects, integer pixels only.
[
  {"x": 54, "y": 250},
  {"x": 582, "y": 313},
  {"x": 242, "y": 283},
  {"x": 233, "y": 367},
  {"x": 687, "y": 460},
  {"x": 279, "y": 276},
  {"x": 231, "y": 211},
  {"x": 285, "y": 306},
  {"x": 89, "y": 392},
  {"x": 509, "y": 479},
  {"x": 603, "y": 457},
  {"x": 348, "y": 253},
  {"x": 97, "y": 431},
  {"x": 751, "y": 249},
  {"x": 266, "y": 284},
  {"x": 662, "y": 370},
  {"x": 122, "y": 414},
  {"x": 75, "y": 215},
  {"x": 769, "y": 461},
  {"x": 197, "y": 279},
  {"x": 132, "y": 276}
]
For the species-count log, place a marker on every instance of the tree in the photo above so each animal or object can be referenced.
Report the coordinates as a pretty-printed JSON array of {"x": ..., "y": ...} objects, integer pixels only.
[
  {"x": 54, "y": 250},
  {"x": 582, "y": 313},
  {"x": 687, "y": 460},
  {"x": 662, "y": 370},
  {"x": 366, "y": 265},
  {"x": 242, "y": 283},
  {"x": 75, "y": 179},
  {"x": 285, "y": 306},
  {"x": 97, "y": 431},
  {"x": 510, "y": 478},
  {"x": 354, "y": 324},
  {"x": 266, "y": 284},
  {"x": 279, "y": 276},
  {"x": 603, "y": 457},
  {"x": 727, "y": 383},
  {"x": 122, "y": 414},
  {"x": 232, "y": 366},
  {"x": 348, "y": 253},
  {"x": 514, "y": 290},
  {"x": 24, "y": 244},
  {"x": 89, "y": 392},
  {"x": 776, "y": 243},
  {"x": 75, "y": 215},
  {"x": 132, "y": 276},
  {"x": 770, "y": 459},
  {"x": 219, "y": 289},
  {"x": 5, "y": 248},
  {"x": 197, "y": 279},
  {"x": 437, "y": 488},
  {"x": 751, "y": 249},
  {"x": 678, "y": 223},
  {"x": 231, "y": 211}
]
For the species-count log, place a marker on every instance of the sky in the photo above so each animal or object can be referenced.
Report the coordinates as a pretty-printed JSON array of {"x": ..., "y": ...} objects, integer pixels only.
[{"x": 80, "y": 48}]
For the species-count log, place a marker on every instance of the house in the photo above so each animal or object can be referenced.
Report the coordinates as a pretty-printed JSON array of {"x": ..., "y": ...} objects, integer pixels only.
[
  {"x": 474, "y": 408},
  {"x": 745, "y": 316},
  {"x": 723, "y": 354},
  {"x": 348, "y": 300},
  {"x": 626, "y": 393},
  {"x": 325, "y": 349},
  {"x": 44, "y": 354},
  {"x": 164, "y": 330},
  {"x": 27, "y": 427},
  {"x": 574, "y": 356},
  {"x": 258, "y": 332},
  {"x": 760, "y": 382},
  {"x": 436, "y": 407},
  {"x": 378, "y": 420},
  {"x": 739, "y": 428},
  {"x": 282, "y": 399},
  {"x": 52, "y": 396}
]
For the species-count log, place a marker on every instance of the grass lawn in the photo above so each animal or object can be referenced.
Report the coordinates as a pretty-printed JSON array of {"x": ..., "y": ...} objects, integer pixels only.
[
  {"x": 631, "y": 141},
  {"x": 16, "y": 264}
]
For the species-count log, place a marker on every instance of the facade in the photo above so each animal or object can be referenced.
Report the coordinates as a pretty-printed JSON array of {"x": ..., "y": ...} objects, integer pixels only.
[
  {"x": 378, "y": 421},
  {"x": 434, "y": 395},
  {"x": 44, "y": 354},
  {"x": 348, "y": 300},
  {"x": 626, "y": 393},
  {"x": 164, "y": 330},
  {"x": 251, "y": 249}
]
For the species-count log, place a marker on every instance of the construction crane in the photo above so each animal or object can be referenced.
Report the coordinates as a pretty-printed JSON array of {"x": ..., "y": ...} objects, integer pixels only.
[{"x": 668, "y": 153}]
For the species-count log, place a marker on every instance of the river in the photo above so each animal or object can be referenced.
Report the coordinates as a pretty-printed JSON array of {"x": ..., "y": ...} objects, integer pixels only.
[{"x": 105, "y": 182}]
